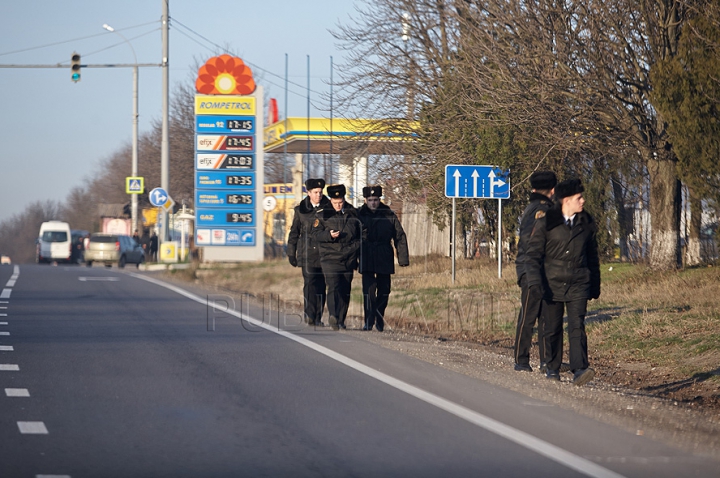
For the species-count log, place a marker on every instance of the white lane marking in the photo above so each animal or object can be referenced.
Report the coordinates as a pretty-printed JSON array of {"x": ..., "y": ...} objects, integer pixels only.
[
  {"x": 5, "y": 294},
  {"x": 4, "y": 302},
  {"x": 10, "y": 283},
  {"x": 53, "y": 476},
  {"x": 6, "y": 348},
  {"x": 4, "y": 333},
  {"x": 3, "y": 306},
  {"x": 32, "y": 428},
  {"x": 106, "y": 279},
  {"x": 17, "y": 392},
  {"x": 514, "y": 435},
  {"x": 9, "y": 367},
  {"x": 3, "y": 323},
  {"x": 3, "y": 315},
  {"x": 16, "y": 270}
]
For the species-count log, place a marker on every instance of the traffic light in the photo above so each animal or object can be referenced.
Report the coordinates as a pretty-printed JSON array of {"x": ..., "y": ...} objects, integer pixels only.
[{"x": 75, "y": 67}]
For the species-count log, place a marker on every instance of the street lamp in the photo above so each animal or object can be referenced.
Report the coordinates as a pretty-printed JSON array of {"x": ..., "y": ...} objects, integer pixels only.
[{"x": 133, "y": 199}]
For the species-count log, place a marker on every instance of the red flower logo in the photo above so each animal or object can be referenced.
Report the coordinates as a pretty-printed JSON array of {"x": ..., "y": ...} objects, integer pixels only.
[{"x": 225, "y": 75}]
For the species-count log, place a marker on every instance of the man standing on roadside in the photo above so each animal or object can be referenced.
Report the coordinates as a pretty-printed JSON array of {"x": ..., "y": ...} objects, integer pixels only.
[
  {"x": 338, "y": 232},
  {"x": 563, "y": 245},
  {"x": 302, "y": 250},
  {"x": 376, "y": 259},
  {"x": 542, "y": 184}
]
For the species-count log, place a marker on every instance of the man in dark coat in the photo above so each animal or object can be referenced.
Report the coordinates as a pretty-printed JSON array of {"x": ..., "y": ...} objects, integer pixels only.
[
  {"x": 542, "y": 183},
  {"x": 338, "y": 232},
  {"x": 563, "y": 245},
  {"x": 376, "y": 258},
  {"x": 302, "y": 250}
]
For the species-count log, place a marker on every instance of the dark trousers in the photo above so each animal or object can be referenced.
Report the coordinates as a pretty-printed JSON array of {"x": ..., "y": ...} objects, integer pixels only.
[
  {"x": 553, "y": 312},
  {"x": 376, "y": 292},
  {"x": 313, "y": 294},
  {"x": 339, "y": 284},
  {"x": 530, "y": 312}
]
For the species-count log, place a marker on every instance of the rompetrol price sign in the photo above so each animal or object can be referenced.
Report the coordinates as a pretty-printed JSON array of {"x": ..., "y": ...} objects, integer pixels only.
[{"x": 228, "y": 161}]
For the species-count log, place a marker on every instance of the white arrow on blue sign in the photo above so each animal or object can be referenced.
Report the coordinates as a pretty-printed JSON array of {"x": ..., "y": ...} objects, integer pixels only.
[
  {"x": 471, "y": 181},
  {"x": 158, "y": 197}
]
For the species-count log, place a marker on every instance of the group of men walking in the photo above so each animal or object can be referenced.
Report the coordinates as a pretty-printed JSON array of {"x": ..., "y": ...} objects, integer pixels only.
[
  {"x": 330, "y": 239},
  {"x": 558, "y": 271}
]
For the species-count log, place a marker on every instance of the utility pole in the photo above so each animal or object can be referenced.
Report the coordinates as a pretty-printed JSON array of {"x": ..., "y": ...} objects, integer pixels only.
[{"x": 165, "y": 143}]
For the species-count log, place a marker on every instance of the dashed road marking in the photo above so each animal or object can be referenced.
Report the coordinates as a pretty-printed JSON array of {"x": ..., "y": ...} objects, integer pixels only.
[
  {"x": 6, "y": 348},
  {"x": 4, "y": 333},
  {"x": 3, "y": 323},
  {"x": 17, "y": 392},
  {"x": 105, "y": 279},
  {"x": 5, "y": 294},
  {"x": 10, "y": 283},
  {"x": 9, "y": 367},
  {"x": 32, "y": 428},
  {"x": 3, "y": 315},
  {"x": 53, "y": 476}
]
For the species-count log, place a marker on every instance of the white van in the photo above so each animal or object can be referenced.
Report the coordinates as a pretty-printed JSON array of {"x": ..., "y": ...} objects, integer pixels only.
[{"x": 54, "y": 242}]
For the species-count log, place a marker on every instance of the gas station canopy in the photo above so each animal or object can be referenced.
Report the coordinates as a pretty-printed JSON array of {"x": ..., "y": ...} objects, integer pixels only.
[{"x": 337, "y": 136}]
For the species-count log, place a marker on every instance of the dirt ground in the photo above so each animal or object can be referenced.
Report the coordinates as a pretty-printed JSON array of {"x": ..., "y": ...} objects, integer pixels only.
[{"x": 634, "y": 396}]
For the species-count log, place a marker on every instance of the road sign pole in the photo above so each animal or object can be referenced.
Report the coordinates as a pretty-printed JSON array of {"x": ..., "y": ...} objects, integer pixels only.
[
  {"x": 499, "y": 238},
  {"x": 452, "y": 242}
]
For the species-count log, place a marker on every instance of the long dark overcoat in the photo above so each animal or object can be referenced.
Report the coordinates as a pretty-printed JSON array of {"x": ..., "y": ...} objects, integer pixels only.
[
  {"x": 339, "y": 254},
  {"x": 300, "y": 243},
  {"x": 382, "y": 227},
  {"x": 569, "y": 257}
]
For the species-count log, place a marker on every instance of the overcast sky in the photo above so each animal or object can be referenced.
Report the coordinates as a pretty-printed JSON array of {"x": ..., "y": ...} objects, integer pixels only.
[{"x": 54, "y": 133}]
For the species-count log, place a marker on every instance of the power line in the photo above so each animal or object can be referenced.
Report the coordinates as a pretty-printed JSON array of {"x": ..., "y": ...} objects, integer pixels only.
[
  {"x": 69, "y": 41},
  {"x": 119, "y": 43}
]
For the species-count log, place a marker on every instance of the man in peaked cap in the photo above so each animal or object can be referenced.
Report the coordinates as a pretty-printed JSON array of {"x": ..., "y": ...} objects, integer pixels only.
[
  {"x": 563, "y": 261},
  {"x": 303, "y": 251},
  {"x": 542, "y": 184},
  {"x": 338, "y": 232},
  {"x": 376, "y": 259}
]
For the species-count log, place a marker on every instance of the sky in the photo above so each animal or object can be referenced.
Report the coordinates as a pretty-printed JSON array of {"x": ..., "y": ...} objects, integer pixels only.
[{"x": 54, "y": 133}]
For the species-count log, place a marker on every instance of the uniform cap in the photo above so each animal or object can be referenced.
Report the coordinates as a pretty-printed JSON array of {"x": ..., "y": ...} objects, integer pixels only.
[
  {"x": 314, "y": 184},
  {"x": 372, "y": 191},
  {"x": 543, "y": 180},
  {"x": 567, "y": 188},
  {"x": 336, "y": 191}
]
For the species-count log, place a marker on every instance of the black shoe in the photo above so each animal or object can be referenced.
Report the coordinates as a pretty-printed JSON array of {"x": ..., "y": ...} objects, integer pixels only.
[
  {"x": 583, "y": 376},
  {"x": 319, "y": 323},
  {"x": 523, "y": 367},
  {"x": 342, "y": 326},
  {"x": 543, "y": 367},
  {"x": 553, "y": 375},
  {"x": 379, "y": 327},
  {"x": 564, "y": 367},
  {"x": 365, "y": 327}
]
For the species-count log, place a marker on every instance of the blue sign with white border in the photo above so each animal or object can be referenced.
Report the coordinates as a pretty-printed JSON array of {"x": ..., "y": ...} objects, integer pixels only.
[
  {"x": 237, "y": 217},
  {"x": 224, "y": 124},
  {"x": 224, "y": 198},
  {"x": 481, "y": 182},
  {"x": 224, "y": 179}
]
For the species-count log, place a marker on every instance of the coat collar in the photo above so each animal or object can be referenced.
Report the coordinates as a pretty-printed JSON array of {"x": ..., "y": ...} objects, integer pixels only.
[{"x": 305, "y": 205}]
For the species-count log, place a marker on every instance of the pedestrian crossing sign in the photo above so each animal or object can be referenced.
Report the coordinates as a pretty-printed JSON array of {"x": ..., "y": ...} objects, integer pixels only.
[{"x": 134, "y": 185}]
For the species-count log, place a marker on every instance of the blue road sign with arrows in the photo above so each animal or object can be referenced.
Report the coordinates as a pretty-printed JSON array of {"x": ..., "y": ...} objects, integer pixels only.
[
  {"x": 158, "y": 197},
  {"x": 471, "y": 181}
]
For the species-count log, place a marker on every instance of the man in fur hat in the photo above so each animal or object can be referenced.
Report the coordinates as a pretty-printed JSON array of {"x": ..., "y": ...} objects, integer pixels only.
[
  {"x": 338, "y": 232},
  {"x": 543, "y": 184},
  {"x": 302, "y": 250},
  {"x": 564, "y": 262},
  {"x": 376, "y": 260}
]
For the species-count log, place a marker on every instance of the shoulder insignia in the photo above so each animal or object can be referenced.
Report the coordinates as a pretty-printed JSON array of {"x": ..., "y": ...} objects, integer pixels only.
[
  {"x": 316, "y": 223},
  {"x": 539, "y": 214}
]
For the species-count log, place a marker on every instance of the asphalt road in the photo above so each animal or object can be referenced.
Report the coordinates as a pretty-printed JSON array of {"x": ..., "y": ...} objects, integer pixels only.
[{"x": 108, "y": 373}]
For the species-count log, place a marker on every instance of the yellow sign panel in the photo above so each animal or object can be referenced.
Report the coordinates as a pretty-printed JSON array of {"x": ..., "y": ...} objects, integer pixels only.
[
  {"x": 134, "y": 185},
  {"x": 169, "y": 251},
  {"x": 226, "y": 105}
]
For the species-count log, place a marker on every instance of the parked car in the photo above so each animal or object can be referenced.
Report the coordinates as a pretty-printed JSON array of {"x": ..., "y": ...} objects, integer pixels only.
[
  {"x": 113, "y": 248},
  {"x": 5, "y": 259}
]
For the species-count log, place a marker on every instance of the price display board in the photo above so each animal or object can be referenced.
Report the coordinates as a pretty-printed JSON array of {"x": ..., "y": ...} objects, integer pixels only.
[{"x": 227, "y": 209}]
